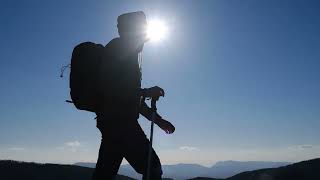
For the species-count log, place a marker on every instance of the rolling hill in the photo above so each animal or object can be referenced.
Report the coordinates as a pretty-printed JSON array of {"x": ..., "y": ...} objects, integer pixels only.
[
  {"x": 14, "y": 170},
  {"x": 305, "y": 170}
]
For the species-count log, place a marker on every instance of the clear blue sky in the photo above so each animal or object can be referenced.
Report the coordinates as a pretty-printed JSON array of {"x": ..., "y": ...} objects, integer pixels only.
[{"x": 242, "y": 78}]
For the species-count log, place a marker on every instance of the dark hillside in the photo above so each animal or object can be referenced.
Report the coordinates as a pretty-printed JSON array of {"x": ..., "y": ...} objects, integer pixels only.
[
  {"x": 305, "y": 170},
  {"x": 14, "y": 170}
]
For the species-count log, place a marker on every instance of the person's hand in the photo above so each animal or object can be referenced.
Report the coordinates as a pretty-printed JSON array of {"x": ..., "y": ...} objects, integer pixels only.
[
  {"x": 165, "y": 125},
  {"x": 153, "y": 92}
]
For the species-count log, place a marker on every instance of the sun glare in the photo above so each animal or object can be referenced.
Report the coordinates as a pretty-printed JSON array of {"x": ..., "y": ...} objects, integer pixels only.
[{"x": 156, "y": 30}]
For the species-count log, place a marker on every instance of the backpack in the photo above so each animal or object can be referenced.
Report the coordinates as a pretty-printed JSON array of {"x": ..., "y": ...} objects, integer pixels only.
[{"x": 84, "y": 76}]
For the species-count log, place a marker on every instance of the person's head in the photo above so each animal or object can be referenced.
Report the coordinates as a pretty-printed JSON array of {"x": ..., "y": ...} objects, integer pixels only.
[{"x": 132, "y": 25}]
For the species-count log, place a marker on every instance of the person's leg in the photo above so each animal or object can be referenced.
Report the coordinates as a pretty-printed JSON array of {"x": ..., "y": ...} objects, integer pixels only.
[
  {"x": 155, "y": 170},
  {"x": 136, "y": 153},
  {"x": 109, "y": 160}
]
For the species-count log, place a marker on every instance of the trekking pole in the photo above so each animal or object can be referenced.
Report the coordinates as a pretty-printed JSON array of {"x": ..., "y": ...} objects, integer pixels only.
[{"x": 154, "y": 114}]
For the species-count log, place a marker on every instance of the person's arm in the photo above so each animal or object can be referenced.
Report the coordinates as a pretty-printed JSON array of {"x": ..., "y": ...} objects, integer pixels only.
[
  {"x": 147, "y": 112},
  {"x": 162, "y": 123}
]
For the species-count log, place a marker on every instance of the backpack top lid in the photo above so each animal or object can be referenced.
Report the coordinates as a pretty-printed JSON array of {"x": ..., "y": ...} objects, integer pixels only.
[{"x": 133, "y": 22}]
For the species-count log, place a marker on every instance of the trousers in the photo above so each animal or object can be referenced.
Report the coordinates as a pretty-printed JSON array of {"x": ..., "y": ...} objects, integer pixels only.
[{"x": 124, "y": 138}]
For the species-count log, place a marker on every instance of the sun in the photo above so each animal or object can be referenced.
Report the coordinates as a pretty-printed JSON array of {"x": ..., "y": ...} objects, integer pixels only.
[{"x": 156, "y": 30}]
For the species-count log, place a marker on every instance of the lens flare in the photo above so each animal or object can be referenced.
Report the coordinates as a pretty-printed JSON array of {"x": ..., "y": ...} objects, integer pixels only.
[{"x": 156, "y": 30}]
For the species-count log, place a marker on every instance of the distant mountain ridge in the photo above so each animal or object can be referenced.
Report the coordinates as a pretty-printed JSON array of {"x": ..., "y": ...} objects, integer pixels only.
[{"x": 221, "y": 169}]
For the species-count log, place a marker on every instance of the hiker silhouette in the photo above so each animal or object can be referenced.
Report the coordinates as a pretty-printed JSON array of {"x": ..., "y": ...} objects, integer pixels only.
[{"x": 121, "y": 102}]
